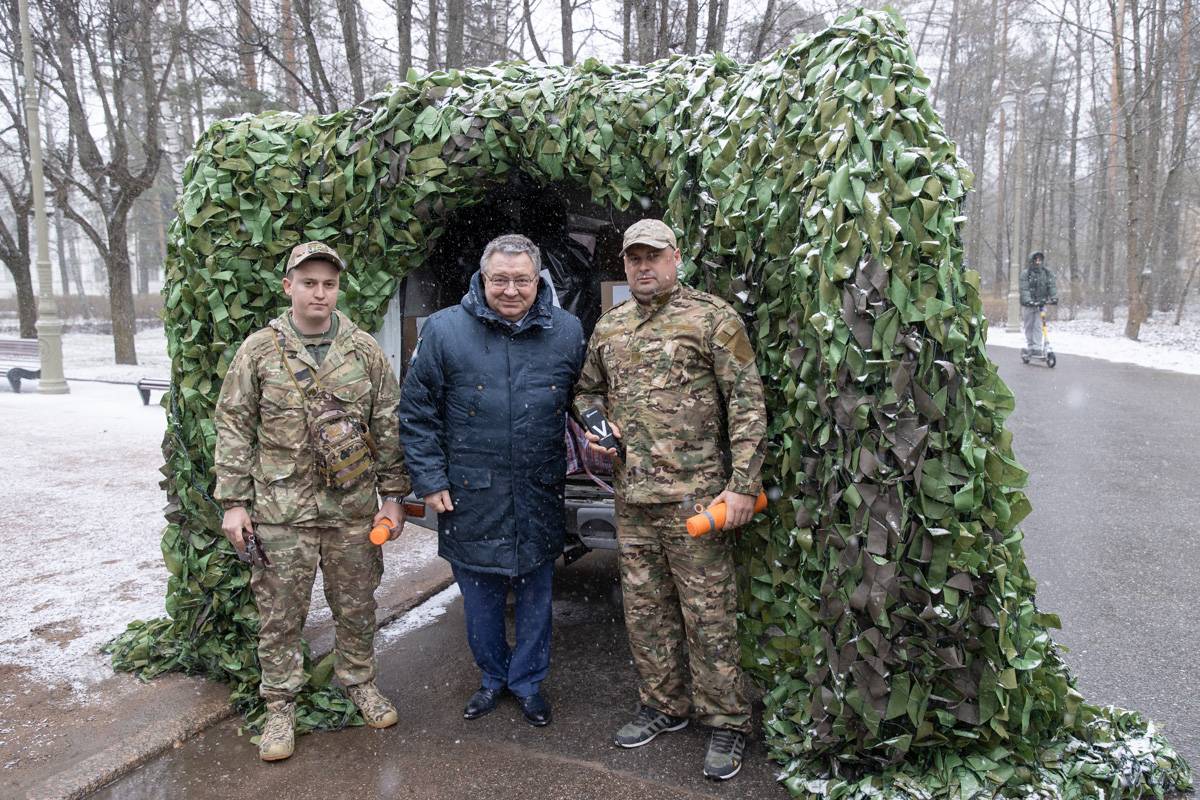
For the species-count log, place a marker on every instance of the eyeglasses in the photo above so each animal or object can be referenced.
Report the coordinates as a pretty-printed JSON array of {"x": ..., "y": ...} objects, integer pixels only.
[{"x": 497, "y": 282}]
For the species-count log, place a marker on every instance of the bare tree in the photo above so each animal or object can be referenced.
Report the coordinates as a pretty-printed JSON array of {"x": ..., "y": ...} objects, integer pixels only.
[
  {"x": 119, "y": 168},
  {"x": 14, "y": 178}
]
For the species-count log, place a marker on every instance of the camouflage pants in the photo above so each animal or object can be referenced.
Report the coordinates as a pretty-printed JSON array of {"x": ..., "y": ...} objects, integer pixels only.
[
  {"x": 351, "y": 567},
  {"x": 677, "y": 588}
]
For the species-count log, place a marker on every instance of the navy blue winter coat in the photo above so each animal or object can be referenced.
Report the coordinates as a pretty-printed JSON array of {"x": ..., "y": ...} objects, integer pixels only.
[{"x": 483, "y": 414}]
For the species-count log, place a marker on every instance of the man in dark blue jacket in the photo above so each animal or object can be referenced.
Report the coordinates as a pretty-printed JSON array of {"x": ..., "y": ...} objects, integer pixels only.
[{"x": 482, "y": 418}]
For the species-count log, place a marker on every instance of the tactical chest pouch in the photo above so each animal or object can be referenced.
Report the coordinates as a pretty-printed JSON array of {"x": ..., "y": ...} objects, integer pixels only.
[{"x": 343, "y": 451}]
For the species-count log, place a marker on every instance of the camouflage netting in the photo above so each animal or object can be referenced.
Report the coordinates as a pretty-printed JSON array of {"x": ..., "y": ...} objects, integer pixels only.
[{"x": 889, "y": 614}]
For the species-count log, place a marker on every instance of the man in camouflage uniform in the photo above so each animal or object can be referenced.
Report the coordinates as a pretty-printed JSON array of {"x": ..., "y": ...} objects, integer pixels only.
[
  {"x": 674, "y": 372},
  {"x": 270, "y": 482}
]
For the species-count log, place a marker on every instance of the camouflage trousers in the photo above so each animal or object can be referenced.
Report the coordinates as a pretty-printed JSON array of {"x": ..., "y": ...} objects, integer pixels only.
[
  {"x": 351, "y": 568},
  {"x": 681, "y": 589}
]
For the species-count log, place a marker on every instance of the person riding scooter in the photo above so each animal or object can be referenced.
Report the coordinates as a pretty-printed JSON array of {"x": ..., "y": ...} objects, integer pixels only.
[{"x": 1038, "y": 289}]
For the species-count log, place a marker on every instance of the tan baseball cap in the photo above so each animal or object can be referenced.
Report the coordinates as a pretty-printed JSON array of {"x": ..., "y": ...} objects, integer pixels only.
[
  {"x": 310, "y": 250},
  {"x": 650, "y": 232}
]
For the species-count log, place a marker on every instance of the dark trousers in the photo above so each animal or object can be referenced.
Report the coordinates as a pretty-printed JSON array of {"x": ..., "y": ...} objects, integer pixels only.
[{"x": 522, "y": 667}]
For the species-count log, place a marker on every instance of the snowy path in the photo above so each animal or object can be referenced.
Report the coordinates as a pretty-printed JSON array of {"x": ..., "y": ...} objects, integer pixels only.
[{"x": 1162, "y": 345}]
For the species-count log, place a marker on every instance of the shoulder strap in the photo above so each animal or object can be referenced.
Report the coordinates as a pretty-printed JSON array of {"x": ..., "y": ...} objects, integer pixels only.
[{"x": 279, "y": 342}]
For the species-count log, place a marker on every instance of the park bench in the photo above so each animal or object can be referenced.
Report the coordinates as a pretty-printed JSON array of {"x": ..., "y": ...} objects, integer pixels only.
[
  {"x": 19, "y": 360},
  {"x": 147, "y": 385}
]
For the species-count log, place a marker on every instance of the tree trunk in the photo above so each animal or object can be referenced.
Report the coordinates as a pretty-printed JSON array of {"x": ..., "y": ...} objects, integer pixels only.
[
  {"x": 537, "y": 48},
  {"x": 1118, "y": 17},
  {"x": 322, "y": 89},
  {"x": 246, "y": 38},
  {"x": 404, "y": 36},
  {"x": 432, "y": 16},
  {"x": 662, "y": 46},
  {"x": 287, "y": 34},
  {"x": 1002, "y": 260},
  {"x": 120, "y": 291},
  {"x": 348, "y": 15},
  {"x": 1135, "y": 265},
  {"x": 26, "y": 302},
  {"x": 454, "y": 34},
  {"x": 1075, "y": 284},
  {"x": 71, "y": 270},
  {"x": 196, "y": 100},
  {"x": 647, "y": 18},
  {"x": 627, "y": 30},
  {"x": 1187, "y": 285},
  {"x": 713, "y": 34},
  {"x": 722, "y": 23},
  {"x": 568, "y": 32},
  {"x": 691, "y": 26},
  {"x": 764, "y": 28},
  {"x": 1185, "y": 87}
]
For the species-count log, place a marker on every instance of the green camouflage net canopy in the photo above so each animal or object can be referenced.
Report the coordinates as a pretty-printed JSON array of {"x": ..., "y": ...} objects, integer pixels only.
[{"x": 888, "y": 612}]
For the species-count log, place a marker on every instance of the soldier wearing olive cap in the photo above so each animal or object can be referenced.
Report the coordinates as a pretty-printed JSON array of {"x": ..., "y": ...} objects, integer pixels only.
[
  {"x": 674, "y": 372},
  {"x": 307, "y": 444}
]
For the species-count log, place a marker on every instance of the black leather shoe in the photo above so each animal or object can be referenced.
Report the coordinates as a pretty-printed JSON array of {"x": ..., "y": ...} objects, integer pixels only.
[
  {"x": 482, "y": 702},
  {"x": 536, "y": 709}
]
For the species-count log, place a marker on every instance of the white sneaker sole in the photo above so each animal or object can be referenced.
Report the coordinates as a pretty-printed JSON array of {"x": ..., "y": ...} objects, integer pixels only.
[
  {"x": 678, "y": 727},
  {"x": 723, "y": 777}
]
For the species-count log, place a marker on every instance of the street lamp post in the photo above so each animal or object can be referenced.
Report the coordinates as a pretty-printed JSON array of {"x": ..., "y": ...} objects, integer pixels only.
[{"x": 49, "y": 326}]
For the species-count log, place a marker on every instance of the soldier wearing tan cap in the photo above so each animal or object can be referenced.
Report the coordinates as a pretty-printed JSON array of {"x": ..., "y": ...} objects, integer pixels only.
[
  {"x": 307, "y": 444},
  {"x": 673, "y": 371}
]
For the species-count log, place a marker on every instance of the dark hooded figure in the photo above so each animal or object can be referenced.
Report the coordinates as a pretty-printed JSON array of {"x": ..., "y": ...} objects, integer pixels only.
[
  {"x": 1038, "y": 289},
  {"x": 482, "y": 419}
]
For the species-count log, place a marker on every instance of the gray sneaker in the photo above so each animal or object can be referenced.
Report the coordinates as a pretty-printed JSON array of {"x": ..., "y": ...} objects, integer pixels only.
[
  {"x": 648, "y": 723},
  {"x": 724, "y": 757},
  {"x": 278, "y": 738}
]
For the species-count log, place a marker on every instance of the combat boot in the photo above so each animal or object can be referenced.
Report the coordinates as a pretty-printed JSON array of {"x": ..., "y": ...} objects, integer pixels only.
[
  {"x": 377, "y": 710},
  {"x": 278, "y": 738}
]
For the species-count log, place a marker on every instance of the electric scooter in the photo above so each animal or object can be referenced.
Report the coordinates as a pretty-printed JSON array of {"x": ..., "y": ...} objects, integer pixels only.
[{"x": 1043, "y": 353}]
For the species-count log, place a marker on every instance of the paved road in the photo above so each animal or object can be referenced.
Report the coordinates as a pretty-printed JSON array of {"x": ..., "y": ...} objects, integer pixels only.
[
  {"x": 434, "y": 754},
  {"x": 1113, "y": 453},
  {"x": 1114, "y": 456}
]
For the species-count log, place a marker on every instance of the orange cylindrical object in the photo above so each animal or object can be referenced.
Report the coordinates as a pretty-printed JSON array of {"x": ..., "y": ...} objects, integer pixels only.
[
  {"x": 381, "y": 532},
  {"x": 713, "y": 517}
]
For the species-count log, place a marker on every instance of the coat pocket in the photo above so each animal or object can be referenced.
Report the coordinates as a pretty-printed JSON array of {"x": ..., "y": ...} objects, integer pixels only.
[
  {"x": 551, "y": 472},
  {"x": 470, "y": 477}
]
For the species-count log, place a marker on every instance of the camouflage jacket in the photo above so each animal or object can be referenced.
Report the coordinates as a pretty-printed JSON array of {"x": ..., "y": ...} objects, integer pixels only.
[
  {"x": 263, "y": 458},
  {"x": 679, "y": 380}
]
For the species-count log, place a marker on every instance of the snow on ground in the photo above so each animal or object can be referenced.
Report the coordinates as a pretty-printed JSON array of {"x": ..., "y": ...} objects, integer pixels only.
[
  {"x": 424, "y": 614},
  {"x": 1161, "y": 345},
  {"x": 89, "y": 356},
  {"x": 81, "y": 520}
]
